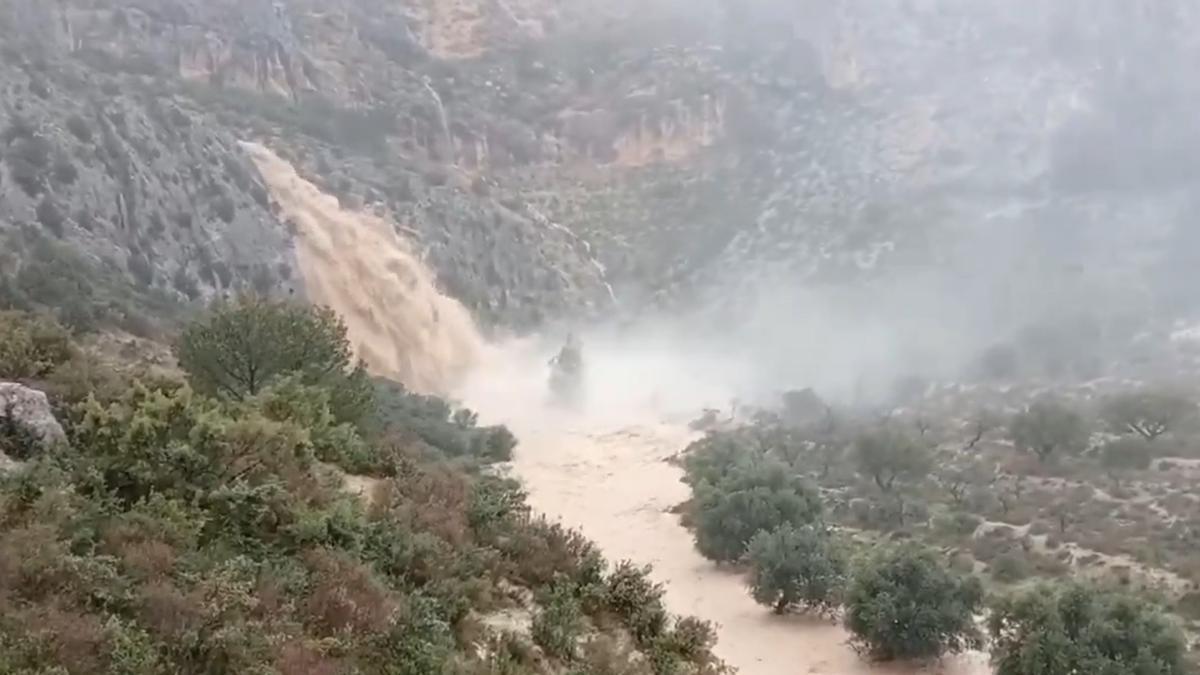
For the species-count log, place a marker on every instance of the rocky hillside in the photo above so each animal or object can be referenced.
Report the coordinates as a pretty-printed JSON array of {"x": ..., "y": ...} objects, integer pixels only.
[{"x": 546, "y": 154}]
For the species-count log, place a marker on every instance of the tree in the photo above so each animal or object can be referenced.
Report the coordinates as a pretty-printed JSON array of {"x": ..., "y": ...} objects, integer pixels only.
[
  {"x": 1048, "y": 427},
  {"x": 904, "y": 603},
  {"x": 957, "y": 480},
  {"x": 796, "y": 567},
  {"x": 756, "y": 497},
  {"x": 1148, "y": 414},
  {"x": 983, "y": 422},
  {"x": 1131, "y": 453},
  {"x": 1075, "y": 628},
  {"x": 887, "y": 456},
  {"x": 239, "y": 348}
]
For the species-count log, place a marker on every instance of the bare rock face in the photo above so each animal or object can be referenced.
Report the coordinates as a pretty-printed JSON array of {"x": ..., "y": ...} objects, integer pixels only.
[{"x": 27, "y": 424}]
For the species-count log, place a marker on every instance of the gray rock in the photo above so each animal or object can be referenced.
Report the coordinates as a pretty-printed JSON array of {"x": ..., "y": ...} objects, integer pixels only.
[{"x": 28, "y": 410}]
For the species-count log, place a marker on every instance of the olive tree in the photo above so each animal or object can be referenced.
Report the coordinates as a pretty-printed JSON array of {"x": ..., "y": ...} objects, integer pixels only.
[
  {"x": 755, "y": 497},
  {"x": 1064, "y": 629},
  {"x": 1048, "y": 427},
  {"x": 904, "y": 603},
  {"x": 1148, "y": 414},
  {"x": 796, "y": 567},
  {"x": 888, "y": 456},
  {"x": 240, "y": 347}
]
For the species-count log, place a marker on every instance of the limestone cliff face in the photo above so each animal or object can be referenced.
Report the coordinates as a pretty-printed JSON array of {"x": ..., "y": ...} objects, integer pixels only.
[{"x": 543, "y": 153}]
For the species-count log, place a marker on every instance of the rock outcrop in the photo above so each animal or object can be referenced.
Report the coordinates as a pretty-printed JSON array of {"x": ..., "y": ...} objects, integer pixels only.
[{"x": 27, "y": 423}]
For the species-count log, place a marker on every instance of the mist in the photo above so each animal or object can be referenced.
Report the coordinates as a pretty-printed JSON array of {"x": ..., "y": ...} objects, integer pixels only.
[{"x": 1054, "y": 200}]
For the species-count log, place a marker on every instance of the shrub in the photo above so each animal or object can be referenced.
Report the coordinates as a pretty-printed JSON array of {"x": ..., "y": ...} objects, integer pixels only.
[
  {"x": 432, "y": 424},
  {"x": 79, "y": 128},
  {"x": 1132, "y": 453},
  {"x": 957, "y": 524},
  {"x": 65, "y": 172},
  {"x": 140, "y": 268},
  {"x": 1075, "y": 628},
  {"x": 225, "y": 208},
  {"x": 419, "y": 642},
  {"x": 31, "y": 345},
  {"x": 903, "y": 603},
  {"x": 1009, "y": 567},
  {"x": 557, "y": 627},
  {"x": 796, "y": 567},
  {"x": 637, "y": 601},
  {"x": 50, "y": 216},
  {"x": 239, "y": 348}
]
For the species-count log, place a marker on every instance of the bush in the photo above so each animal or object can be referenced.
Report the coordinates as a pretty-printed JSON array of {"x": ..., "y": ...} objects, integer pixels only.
[
  {"x": 557, "y": 627},
  {"x": 957, "y": 524},
  {"x": 79, "y": 128},
  {"x": 225, "y": 208},
  {"x": 902, "y": 603},
  {"x": 140, "y": 268},
  {"x": 796, "y": 567},
  {"x": 65, "y": 172},
  {"x": 637, "y": 601},
  {"x": 1009, "y": 567},
  {"x": 50, "y": 216},
  {"x": 1075, "y": 628},
  {"x": 239, "y": 348},
  {"x": 754, "y": 498},
  {"x": 31, "y": 345},
  {"x": 1132, "y": 453}
]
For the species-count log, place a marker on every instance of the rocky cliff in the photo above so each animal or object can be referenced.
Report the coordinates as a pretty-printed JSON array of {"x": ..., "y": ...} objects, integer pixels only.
[{"x": 548, "y": 157}]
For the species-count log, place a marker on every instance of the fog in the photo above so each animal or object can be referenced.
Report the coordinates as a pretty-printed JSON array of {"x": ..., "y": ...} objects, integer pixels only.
[{"x": 1061, "y": 183}]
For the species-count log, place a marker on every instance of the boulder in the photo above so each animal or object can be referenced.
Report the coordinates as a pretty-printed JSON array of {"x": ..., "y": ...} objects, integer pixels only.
[{"x": 27, "y": 419}]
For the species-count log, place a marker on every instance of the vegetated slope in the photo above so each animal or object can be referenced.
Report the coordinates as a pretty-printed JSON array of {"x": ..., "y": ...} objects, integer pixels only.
[
  {"x": 1084, "y": 491},
  {"x": 176, "y": 532}
]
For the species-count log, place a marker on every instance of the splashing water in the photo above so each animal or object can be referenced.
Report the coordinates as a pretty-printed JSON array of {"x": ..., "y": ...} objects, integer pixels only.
[{"x": 357, "y": 264}]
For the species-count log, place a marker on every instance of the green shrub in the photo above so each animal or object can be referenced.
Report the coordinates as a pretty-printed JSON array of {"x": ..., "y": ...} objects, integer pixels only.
[
  {"x": 637, "y": 601},
  {"x": 1076, "y": 628},
  {"x": 903, "y": 603},
  {"x": 432, "y": 424},
  {"x": 1009, "y": 567},
  {"x": 557, "y": 627},
  {"x": 31, "y": 345}
]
